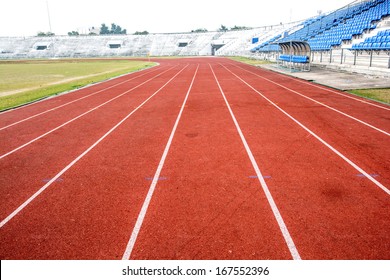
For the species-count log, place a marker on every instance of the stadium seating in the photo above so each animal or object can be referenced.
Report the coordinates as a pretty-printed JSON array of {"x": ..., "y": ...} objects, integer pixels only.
[
  {"x": 325, "y": 31},
  {"x": 114, "y": 45},
  {"x": 381, "y": 41},
  {"x": 350, "y": 27},
  {"x": 265, "y": 44}
]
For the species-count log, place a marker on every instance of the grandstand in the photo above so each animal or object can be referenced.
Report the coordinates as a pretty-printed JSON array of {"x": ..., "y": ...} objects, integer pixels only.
[{"x": 355, "y": 36}]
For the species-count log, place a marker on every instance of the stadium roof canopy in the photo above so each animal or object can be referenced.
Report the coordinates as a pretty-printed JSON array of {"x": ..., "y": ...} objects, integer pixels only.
[{"x": 295, "y": 47}]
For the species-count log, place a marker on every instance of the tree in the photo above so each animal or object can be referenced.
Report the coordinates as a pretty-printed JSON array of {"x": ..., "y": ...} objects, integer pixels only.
[
  {"x": 104, "y": 29},
  {"x": 115, "y": 29},
  {"x": 43, "y": 34},
  {"x": 73, "y": 33},
  {"x": 141, "y": 33},
  {"x": 236, "y": 28},
  {"x": 199, "y": 30},
  {"x": 223, "y": 28}
]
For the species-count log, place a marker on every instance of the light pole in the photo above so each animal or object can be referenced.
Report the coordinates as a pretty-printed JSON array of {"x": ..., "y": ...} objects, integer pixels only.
[{"x": 48, "y": 15}]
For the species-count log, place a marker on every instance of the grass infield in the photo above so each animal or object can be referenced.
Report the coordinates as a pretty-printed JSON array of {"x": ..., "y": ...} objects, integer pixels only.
[
  {"x": 250, "y": 61},
  {"x": 381, "y": 94},
  {"x": 22, "y": 82}
]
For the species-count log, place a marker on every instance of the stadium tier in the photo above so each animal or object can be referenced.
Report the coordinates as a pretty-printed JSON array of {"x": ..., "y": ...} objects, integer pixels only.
[
  {"x": 326, "y": 31},
  {"x": 381, "y": 41}
]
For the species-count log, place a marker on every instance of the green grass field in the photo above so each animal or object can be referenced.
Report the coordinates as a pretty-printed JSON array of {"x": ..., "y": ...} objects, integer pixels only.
[
  {"x": 250, "y": 61},
  {"x": 382, "y": 94},
  {"x": 26, "y": 81}
]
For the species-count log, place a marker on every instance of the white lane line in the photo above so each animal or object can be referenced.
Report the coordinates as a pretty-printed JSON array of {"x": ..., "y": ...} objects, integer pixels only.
[
  {"x": 78, "y": 99},
  {"x": 79, "y": 116},
  {"x": 59, "y": 174},
  {"x": 283, "y": 228},
  {"x": 148, "y": 198},
  {"x": 328, "y": 89},
  {"x": 361, "y": 171},
  {"x": 320, "y": 103}
]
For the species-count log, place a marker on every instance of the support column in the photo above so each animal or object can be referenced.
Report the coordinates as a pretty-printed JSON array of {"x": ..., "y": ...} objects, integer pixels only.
[
  {"x": 388, "y": 64},
  {"x": 371, "y": 52}
]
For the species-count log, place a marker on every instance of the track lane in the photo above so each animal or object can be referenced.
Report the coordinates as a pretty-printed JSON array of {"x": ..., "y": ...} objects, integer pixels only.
[
  {"x": 359, "y": 143},
  {"x": 156, "y": 178},
  {"x": 370, "y": 112},
  {"x": 25, "y": 171},
  {"x": 83, "y": 219},
  {"x": 208, "y": 207},
  {"x": 331, "y": 212},
  {"x": 92, "y": 203},
  {"x": 196, "y": 212}
]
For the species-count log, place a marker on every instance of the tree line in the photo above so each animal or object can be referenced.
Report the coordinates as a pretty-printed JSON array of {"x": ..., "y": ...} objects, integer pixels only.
[{"x": 117, "y": 29}]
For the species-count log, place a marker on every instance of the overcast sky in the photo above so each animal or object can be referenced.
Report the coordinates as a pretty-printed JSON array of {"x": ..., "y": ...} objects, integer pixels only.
[{"x": 28, "y": 17}]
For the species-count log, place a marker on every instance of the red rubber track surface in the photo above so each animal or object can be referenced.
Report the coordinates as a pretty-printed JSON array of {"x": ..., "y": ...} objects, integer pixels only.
[{"x": 208, "y": 202}]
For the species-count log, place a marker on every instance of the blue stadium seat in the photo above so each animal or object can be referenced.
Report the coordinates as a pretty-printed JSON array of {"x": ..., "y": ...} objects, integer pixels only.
[
  {"x": 294, "y": 58},
  {"x": 350, "y": 21},
  {"x": 358, "y": 46},
  {"x": 326, "y": 31},
  {"x": 376, "y": 46}
]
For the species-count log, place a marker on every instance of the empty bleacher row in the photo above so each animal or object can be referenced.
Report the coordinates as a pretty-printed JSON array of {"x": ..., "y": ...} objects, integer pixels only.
[
  {"x": 361, "y": 22},
  {"x": 381, "y": 41},
  {"x": 80, "y": 46},
  {"x": 329, "y": 30},
  {"x": 174, "y": 44},
  {"x": 103, "y": 46},
  {"x": 243, "y": 42},
  {"x": 357, "y": 35},
  {"x": 326, "y": 31}
]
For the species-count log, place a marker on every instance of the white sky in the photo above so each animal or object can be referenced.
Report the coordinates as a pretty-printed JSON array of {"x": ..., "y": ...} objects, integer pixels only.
[{"x": 28, "y": 17}]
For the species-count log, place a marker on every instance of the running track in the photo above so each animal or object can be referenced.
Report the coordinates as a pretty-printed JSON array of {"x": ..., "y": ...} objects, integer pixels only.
[{"x": 201, "y": 158}]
